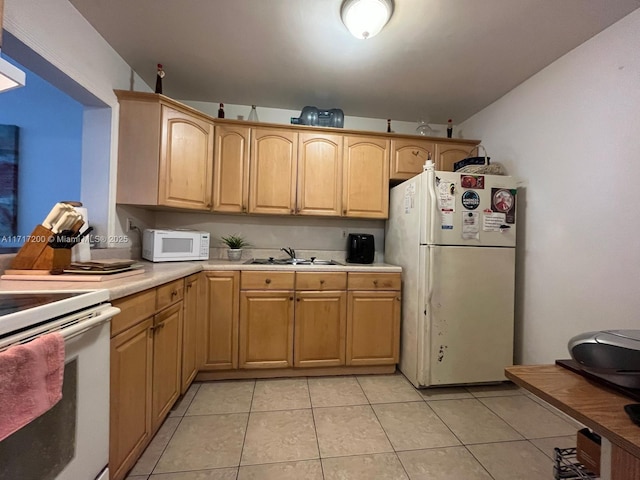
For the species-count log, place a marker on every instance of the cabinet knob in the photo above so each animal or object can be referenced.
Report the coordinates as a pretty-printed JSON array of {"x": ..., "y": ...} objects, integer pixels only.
[
  {"x": 292, "y": 211},
  {"x": 297, "y": 299},
  {"x": 291, "y": 298},
  {"x": 344, "y": 212},
  {"x": 398, "y": 298},
  {"x": 267, "y": 281},
  {"x": 189, "y": 286},
  {"x": 244, "y": 208},
  {"x": 208, "y": 205},
  {"x": 321, "y": 282},
  {"x": 174, "y": 293},
  {"x": 375, "y": 282}
]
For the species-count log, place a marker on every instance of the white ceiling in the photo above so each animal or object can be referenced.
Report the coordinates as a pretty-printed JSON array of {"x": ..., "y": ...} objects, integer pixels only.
[{"x": 435, "y": 59}]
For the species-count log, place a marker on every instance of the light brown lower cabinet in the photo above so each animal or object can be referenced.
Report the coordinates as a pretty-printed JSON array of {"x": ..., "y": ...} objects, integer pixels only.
[
  {"x": 193, "y": 309},
  {"x": 266, "y": 329},
  {"x": 130, "y": 405},
  {"x": 373, "y": 328},
  {"x": 219, "y": 339},
  {"x": 167, "y": 362},
  {"x": 320, "y": 328},
  {"x": 301, "y": 319},
  {"x": 146, "y": 369}
]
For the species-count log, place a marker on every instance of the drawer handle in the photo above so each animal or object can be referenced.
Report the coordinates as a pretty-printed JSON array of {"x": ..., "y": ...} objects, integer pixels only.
[
  {"x": 267, "y": 281},
  {"x": 375, "y": 282},
  {"x": 174, "y": 293},
  {"x": 291, "y": 298},
  {"x": 321, "y": 282}
]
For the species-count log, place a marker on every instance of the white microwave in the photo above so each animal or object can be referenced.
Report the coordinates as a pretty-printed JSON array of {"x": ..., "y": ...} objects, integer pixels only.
[{"x": 175, "y": 245}]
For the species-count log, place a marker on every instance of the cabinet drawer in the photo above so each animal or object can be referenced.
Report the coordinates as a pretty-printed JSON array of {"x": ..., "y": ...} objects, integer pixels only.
[
  {"x": 267, "y": 280},
  {"x": 321, "y": 280},
  {"x": 169, "y": 293},
  {"x": 374, "y": 281},
  {"x": 133, "y": 309}
]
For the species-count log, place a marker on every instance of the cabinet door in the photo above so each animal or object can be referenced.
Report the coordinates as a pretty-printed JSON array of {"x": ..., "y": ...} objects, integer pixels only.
[
  {"x": 365, "y": 188},
  {"x": 193, "y": 305},
  {"x": 186, "y": 161},
  {"x": 409, "y": 156},
  {"x": 220, "y": 337},
  {"x": 130, "y": 396},
  {"x": 320, "y": 329},
  {"x": 167, "y": 355},
  {"x": 319, "y": 175},
  {"x": 266, "y": 329},
  {"x": 373, "y": 328},
  {"x": 231, "y": 169},
  {"x": 272, "y": 183},
  {"x": 449, "y": 153}
]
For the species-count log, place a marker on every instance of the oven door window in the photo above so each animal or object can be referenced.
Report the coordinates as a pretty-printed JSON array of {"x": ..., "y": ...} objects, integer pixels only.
[{"x": 44, "y": 447}]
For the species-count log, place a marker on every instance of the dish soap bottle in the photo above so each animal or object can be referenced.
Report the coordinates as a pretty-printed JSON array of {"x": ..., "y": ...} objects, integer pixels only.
[{"x": 253, "y": 115}]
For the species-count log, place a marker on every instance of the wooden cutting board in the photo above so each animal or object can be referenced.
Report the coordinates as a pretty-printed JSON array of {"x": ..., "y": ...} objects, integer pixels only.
[{"x": 66, "y": 277}]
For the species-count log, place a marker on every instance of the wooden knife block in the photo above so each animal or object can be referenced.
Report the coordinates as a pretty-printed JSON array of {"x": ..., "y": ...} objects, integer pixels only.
[{"x": 37, "y": 254}]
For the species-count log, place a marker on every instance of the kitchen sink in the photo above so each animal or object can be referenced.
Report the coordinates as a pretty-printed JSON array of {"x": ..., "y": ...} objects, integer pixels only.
[{"x": 290, "y": 261}]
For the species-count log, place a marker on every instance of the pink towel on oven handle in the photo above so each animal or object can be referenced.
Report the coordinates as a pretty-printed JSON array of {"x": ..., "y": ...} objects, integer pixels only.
[{"x": 30, "y": 381}]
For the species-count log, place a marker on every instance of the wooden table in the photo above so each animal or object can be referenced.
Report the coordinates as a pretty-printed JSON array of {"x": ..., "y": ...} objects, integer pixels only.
[{"x": 598, "y": 407}]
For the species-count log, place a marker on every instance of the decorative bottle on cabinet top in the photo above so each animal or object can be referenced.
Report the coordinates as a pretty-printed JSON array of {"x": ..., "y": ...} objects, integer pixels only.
[
  {"x": 221, "y": 111},
  {"x": 159, "y": 77},
  {"x": 253, "y": 115}
]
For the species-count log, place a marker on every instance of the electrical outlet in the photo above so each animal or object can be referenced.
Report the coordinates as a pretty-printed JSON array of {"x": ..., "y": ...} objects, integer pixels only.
[{"x": 129, "y": 225}]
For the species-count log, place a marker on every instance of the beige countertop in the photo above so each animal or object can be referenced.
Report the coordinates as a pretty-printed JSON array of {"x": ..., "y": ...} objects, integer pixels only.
[{"x": 158, "y": 273}]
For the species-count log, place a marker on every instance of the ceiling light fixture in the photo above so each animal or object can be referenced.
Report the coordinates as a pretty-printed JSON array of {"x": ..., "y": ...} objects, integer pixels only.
[{"x": 365, "y": 18}]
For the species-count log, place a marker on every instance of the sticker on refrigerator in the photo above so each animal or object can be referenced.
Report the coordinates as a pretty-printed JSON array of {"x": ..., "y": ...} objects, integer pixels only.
[
  {"x": 446, "y": 196},
  {"x": 472, "y": 181},
  {"x": 503, "y": 200},
  {"x": 471, "y": 226},
  {"x": 493, "y": 221},
  {"x": 447, "y": 219},
  {"x": 409, "y": 198},
  {"x": 470, "y": 200}
]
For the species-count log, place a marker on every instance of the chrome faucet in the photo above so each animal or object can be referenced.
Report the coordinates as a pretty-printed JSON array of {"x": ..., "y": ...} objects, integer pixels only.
[{"x": 289, "y": 251}]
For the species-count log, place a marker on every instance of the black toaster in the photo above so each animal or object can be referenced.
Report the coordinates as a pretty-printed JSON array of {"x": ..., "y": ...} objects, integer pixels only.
[{"x": 361, "y": 248}]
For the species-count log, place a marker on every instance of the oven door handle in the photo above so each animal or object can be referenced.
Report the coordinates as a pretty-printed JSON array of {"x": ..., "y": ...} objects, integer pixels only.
[{"x": 79, "y": 328}]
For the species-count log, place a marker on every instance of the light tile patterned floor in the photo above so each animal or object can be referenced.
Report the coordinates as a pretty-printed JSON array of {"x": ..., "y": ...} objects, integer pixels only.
[{"x": 373, "y": 427}]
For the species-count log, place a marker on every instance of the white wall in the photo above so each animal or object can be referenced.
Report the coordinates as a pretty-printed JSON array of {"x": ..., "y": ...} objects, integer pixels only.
[
  {"x": 572, "y": 133},
  {"x": 50, "y": 37}
]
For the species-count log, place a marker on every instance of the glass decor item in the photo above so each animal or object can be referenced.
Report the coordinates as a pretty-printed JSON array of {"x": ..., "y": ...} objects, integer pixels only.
[
  {"x": 221, "y": 111},
  {"x": 424, "y": 128},
  {"x": 449, "y": 128},
  {"x": 253, "y": 114}
]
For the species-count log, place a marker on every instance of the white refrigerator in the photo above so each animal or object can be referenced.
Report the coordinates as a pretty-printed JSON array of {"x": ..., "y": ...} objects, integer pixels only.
[{"x": 454, "y": 235}]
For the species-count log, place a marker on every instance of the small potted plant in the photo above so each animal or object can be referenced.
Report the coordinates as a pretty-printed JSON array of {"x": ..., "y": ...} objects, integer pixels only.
[{"x": 235, "y": 243}]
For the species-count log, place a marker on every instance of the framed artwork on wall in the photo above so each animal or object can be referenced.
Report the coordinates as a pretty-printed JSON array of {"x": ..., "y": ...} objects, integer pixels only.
[{"x": 8, "y": 180}]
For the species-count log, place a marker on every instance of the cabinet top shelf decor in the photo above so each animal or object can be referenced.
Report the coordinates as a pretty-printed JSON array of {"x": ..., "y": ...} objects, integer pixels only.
[{"x": 159, "y": 98}]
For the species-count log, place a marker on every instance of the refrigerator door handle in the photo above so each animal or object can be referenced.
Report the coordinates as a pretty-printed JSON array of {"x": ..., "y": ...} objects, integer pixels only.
[{"x": 432, "y": 204}]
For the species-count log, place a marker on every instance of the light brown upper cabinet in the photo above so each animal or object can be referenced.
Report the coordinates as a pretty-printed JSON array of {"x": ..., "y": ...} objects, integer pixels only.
[
  {"x": 165, "y": 153},
  {"x": 273, "y": 166},
  {"x": 365, "y": 188},
  {"x": 408, "y": 157},
  {"x": 319, "y": 189},
  {"x": 231, "y": 169},
  {"x": 449, "y": 153}
]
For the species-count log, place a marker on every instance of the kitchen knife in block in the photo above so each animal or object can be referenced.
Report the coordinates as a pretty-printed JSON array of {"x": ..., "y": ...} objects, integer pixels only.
[{"x": 27, "y": 256}]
